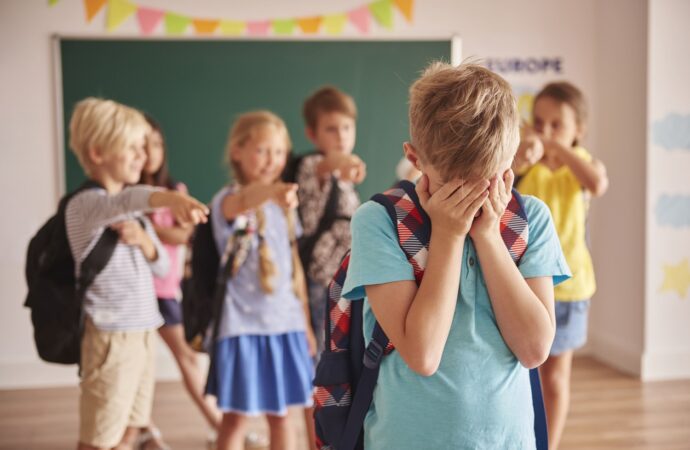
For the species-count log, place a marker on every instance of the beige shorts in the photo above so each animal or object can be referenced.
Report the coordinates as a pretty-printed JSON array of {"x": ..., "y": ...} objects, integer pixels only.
[{"x": 117, "y": 383}]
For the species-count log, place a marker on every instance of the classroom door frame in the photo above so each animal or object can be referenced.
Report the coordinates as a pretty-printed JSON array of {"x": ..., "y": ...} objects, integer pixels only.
[{"x": 59, "y": 119}]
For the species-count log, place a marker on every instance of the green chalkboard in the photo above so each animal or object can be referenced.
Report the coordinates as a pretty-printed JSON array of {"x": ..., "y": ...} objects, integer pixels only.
[{"x": 195, "y": 88}]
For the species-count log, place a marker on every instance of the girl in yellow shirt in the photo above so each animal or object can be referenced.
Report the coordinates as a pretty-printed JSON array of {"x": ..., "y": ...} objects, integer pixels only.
[{"x": 553, "y": 167}]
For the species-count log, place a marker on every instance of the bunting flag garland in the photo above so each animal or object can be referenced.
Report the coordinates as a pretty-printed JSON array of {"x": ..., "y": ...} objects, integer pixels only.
[
  {"x": 360, "y": 19},
  {"x": 149, "y": 19},
  {"x": 175, "y": 23},
  {"x": 91, "y": 8},
  {"x": 118, "y": 12}
]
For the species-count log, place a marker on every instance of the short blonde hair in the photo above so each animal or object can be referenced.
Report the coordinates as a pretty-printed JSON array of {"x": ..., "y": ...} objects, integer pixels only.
[
  {"x": 464, "y": 120},
  {"x": 245, "y": 127},
  {"x": 327, "y": 99},
  {"x": 103, "y": 124}
]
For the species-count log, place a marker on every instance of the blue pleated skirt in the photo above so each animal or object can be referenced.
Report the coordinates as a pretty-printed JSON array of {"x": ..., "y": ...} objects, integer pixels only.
[{"x": 254, "y": 375}]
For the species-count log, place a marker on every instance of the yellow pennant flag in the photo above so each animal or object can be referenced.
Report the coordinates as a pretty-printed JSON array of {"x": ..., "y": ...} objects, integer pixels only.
[
  {"x": 335, "y": 23},
  {"x": 232, "y": 27},
  {"x": 405, "y": 7},
  {"x": 118, "y": 12},
  {"x": 92, "y": 7}
]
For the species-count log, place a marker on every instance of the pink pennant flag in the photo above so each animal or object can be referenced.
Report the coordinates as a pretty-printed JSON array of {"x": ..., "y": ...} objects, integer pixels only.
[
  {"x": 149, "y": 19},
  {"x": 360, "y": 18},
  {"x": 258, "y": 28}
]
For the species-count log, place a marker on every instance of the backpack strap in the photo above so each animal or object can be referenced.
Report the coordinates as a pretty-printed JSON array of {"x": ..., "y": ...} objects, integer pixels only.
[{"x": 365, "y": 388}]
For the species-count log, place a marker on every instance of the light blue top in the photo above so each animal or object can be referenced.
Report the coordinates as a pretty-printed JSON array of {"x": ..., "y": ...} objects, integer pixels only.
[
  {"x": 247, "y": 309},
  {"x": 480, "y": 397}
]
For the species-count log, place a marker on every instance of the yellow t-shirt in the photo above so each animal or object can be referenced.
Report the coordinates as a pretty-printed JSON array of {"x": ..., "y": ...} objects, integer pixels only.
[{"x": 567, "y": 200}]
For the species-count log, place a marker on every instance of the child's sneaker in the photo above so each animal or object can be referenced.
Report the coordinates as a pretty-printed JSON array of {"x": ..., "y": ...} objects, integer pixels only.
[
  {"x": 150, "y": 438},
  {"x": 255, "y": 440}
]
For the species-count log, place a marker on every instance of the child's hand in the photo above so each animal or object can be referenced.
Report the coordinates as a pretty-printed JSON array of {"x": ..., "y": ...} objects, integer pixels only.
[
  {"x": 132, "y": 233},
  {"x": 351, "y": 168},
  {"x": 453, "y": 207},
  {"x": 185, "y": 209},
  {"x": 285, "y": 195},
  {"x": 530, "y": 151},
  {"x": 488, "y": 222}
]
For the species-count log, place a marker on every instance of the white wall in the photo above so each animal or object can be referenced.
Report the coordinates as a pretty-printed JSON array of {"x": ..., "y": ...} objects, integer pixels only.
[
  {"x": 598, "y": 42},
  {"x": 667, "y": 318},
  {"x": 618, "y": 219}
]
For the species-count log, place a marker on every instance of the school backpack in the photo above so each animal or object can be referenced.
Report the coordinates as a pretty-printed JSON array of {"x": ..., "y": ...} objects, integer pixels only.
[
  {"x": 307, "y": 243},
  {"x": 200, "y": 284},
  {"x": 347, "y": 372},
  {"x": 55, "y": 296}
]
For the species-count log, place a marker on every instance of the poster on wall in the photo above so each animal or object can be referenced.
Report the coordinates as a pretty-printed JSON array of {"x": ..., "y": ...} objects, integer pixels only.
[{"x": 527, "y": 74}]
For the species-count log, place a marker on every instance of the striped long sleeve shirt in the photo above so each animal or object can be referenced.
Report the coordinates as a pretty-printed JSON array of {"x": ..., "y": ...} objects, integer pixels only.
[{"x": 122, "y": 297}]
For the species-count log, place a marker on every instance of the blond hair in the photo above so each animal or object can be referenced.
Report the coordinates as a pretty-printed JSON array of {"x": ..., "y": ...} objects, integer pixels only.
[
  {"x": 105, "y": 125},
  {"x": 243, "y": 129},
  {"x": 327, "y": 99},
  {"x": 464, "y": 120}
]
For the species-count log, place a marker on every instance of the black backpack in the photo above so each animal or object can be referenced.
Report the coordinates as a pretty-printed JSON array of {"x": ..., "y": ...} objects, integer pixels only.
[
  {"x": 55, "y": 296},
  {"x": 201, "y": 292},
  {"x": 307, "y": 243}
]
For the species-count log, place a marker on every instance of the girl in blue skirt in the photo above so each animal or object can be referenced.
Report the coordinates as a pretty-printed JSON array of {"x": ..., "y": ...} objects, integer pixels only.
[{"x": 261, "y": 359}]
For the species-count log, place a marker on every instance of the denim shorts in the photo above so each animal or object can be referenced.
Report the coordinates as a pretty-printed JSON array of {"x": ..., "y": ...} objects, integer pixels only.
[
  {"x": 171, "y": 310},
  {"x": 571, "y": 326}
]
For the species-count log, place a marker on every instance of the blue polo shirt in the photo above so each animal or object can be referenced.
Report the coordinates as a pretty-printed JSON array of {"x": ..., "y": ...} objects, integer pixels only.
[{"x": 480, "y": 397}]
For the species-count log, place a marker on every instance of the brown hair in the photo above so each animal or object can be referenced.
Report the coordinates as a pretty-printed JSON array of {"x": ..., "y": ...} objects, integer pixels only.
[
  {"x": 325, "y": 100},
  {"x": 464, "y": 120},
  {"x": 565, "y": 92},
  {"x": 162, "y": 176}
]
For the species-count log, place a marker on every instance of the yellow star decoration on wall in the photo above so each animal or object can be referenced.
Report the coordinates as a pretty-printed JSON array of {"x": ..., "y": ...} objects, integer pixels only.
[{"x": 677, "y": 278}]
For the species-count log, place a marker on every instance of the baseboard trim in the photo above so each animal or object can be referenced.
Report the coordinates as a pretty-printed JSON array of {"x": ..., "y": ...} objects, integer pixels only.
[
  {"x": 616, "y": 354},
  {"x": 38, "y": 374},
  {"x": 666, "y": 365}
]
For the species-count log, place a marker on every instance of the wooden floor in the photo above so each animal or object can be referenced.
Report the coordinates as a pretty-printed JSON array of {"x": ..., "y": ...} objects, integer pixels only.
[{"x": 609, "y": 411}]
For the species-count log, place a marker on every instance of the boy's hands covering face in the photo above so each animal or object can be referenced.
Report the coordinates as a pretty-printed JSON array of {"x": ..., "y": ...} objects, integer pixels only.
[
  {"x": 453, "y": 207},
  {"x": 494, "y": 206}
]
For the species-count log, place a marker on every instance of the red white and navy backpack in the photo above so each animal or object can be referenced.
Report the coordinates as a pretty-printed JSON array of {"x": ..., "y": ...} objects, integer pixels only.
[{"x": 347, "y": 372}]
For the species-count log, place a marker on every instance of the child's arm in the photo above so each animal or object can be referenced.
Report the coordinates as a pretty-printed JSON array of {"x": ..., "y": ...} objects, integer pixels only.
[
  {"x": 256, "y": 194},
  {"x": 524, "y": 309},
  {"x": 132, "y": 233},
  {"x": 418, "y": 320},
  {"x": 178, "y": 234},
  {"x": 591, "y": 174},
  {"x": 97, "y": 209},
  {"x": 185, "y": 209},
  {"x": 345, "y": 167}
]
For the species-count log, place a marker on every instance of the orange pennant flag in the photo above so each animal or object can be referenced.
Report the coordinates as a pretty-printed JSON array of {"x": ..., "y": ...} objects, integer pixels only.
[
  {"x": 202, "y": 26},
  {"x": 405, "y": 7},
  {"x": 309, "y": 25},
  {"x": 92, "y": 7}
]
